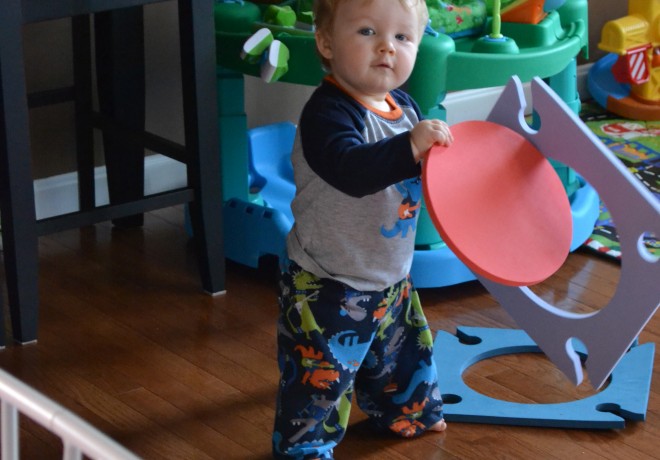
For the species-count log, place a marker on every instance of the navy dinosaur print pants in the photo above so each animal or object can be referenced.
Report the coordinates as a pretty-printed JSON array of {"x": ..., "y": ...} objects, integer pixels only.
[{"x": 334, "y": 341}]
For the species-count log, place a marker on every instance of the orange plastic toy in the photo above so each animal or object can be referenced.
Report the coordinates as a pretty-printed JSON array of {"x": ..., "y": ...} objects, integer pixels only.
[{"x": 525, "y": 11}]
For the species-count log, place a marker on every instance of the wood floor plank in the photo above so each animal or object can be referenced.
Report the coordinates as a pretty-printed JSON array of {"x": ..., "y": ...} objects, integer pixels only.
[{"x": 193, "y": 427}]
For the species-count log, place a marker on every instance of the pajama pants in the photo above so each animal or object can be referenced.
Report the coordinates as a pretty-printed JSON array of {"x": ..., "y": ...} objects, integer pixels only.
[{"x": 334, "y": 341}]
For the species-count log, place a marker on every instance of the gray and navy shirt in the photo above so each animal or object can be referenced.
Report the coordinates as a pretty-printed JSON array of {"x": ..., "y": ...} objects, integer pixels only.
[{"x": 358, "y": 189}]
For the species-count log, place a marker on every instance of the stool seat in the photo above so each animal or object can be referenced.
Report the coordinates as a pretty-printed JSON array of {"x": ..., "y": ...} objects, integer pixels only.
[
  {"x": 46, "y": 10},
  {"x": 119, "y": 50}
]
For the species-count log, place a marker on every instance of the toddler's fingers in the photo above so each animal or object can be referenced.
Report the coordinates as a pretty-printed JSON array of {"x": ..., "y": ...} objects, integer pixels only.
[{"x": 443, "y": 130}]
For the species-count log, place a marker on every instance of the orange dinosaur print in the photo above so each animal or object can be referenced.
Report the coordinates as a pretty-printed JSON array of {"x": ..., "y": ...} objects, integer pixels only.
[
  {"x": 379, "y": 313},
  {"x": 406, "y": 211},
  {"x": 407, "y": 428},
  {"x": 318, "y": 373},
  {"x": 407, "y": 425}
]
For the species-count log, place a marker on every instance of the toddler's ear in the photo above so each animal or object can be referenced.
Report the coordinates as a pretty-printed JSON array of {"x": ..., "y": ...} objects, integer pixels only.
[{"x": 323, "y": 44}]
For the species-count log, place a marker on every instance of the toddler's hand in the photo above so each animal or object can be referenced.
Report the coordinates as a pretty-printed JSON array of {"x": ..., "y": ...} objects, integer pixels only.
[{"x": 426, "y": 134}]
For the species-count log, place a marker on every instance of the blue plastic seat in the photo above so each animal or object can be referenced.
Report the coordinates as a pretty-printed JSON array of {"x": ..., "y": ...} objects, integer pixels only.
[{"x": 269, "y": 165}]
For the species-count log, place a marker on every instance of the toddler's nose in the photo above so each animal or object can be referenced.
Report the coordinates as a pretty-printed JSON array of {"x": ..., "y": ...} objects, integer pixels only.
[{"x": 387, "y": 47}]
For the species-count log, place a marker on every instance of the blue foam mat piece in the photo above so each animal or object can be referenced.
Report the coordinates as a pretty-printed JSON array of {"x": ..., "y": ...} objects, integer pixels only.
[{"x": 625, "y": 397}]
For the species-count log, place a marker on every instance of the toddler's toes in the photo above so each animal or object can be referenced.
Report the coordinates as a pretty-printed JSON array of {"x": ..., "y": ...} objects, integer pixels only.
[{"x": 439, "y": 426}]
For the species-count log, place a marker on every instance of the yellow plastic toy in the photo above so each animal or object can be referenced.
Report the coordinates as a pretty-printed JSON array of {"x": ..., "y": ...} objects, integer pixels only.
[{"x": 634, "y": 44}]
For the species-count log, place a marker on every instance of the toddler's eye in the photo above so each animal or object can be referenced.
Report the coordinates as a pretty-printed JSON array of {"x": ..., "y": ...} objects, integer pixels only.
[
  {"x": 366, "y": 31},
  {"x": 401, "y": 37}
]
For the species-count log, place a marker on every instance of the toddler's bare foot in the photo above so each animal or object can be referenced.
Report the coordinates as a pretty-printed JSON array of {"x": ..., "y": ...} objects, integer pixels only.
[{"x": 439, "y": 426}]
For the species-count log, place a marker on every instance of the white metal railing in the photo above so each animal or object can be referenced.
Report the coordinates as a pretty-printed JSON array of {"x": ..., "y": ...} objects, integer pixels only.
[{"x": 78, "y": 437}]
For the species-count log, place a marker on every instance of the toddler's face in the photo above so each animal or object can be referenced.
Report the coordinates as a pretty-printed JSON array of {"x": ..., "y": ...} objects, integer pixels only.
[{"x": 372, "y": 46}]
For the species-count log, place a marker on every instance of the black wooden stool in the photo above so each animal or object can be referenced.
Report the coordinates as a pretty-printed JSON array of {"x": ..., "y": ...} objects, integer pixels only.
[{"x": 119, "y": 39}]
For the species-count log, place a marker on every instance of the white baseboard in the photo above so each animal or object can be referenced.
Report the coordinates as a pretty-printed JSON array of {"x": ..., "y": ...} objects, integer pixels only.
[
  {"x": 476, "y": 104},
  {"x": 58, "y": 194}
]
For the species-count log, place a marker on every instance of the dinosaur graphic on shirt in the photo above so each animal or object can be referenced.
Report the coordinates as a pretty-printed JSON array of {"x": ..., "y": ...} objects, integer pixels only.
[{"x": 411, "y": 191}]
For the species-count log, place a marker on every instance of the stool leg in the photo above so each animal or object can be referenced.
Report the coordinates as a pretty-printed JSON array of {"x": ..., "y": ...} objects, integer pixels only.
[
  {"x": 198, "y": 70},
  {"x": 19, "y": 231},
  {"x": 120, "y": 72},
  {"x": 82, "y": 83},
  {"x": 3, "y": 339}
]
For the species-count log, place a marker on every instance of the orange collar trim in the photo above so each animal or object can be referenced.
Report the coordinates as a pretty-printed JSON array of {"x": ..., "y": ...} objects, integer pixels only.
[{"x": 394, "y": 114}]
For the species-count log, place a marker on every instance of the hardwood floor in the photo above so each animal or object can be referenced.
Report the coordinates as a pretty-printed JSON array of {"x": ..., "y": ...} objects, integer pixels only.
[{"x": 128, "y": 341}]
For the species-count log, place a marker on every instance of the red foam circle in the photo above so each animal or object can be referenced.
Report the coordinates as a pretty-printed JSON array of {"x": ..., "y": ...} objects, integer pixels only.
[{"x": 498, "y": 204}]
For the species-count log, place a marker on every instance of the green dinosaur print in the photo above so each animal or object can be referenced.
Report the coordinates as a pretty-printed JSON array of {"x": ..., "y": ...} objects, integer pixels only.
[
  {"x": 304, "y": 281},
  {"x": 392, "y": 297},
  {"x": 344, "y": 410},
  {"x": 415, "y": 316}
]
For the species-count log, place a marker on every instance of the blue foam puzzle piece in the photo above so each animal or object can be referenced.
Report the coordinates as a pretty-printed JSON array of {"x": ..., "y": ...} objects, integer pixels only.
[{"x": 626, "y": 396}]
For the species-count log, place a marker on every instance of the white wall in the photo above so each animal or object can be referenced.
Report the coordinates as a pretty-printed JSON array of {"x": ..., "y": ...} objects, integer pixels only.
[{"x": 273, "y": 102}]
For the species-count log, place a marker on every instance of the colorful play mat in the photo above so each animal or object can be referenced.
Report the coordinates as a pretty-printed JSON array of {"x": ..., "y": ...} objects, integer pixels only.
[{"x": 637, "y": 145}]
